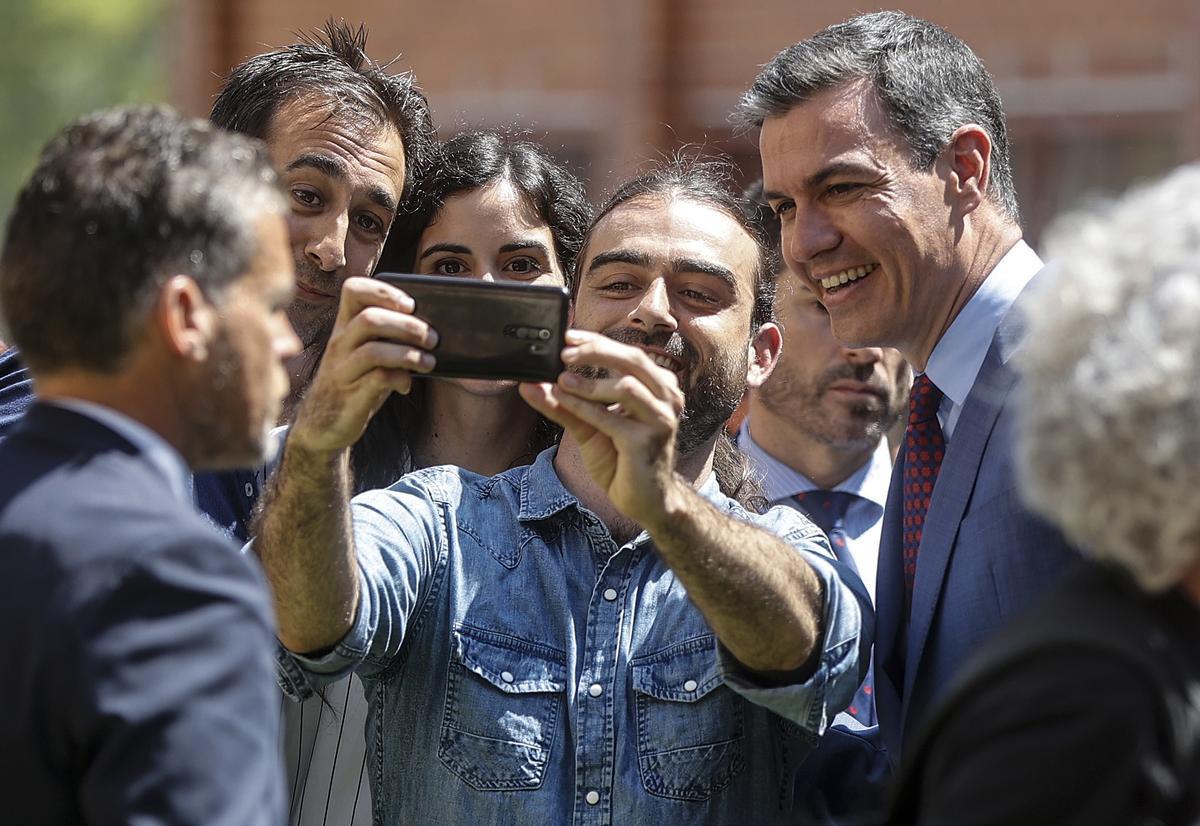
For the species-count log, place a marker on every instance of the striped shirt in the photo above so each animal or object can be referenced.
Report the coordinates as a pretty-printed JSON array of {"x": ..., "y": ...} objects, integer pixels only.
[{"x": 325, "y": 755}]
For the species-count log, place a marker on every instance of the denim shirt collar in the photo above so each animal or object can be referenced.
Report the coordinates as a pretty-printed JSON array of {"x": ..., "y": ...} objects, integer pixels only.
[{"x": 543, "y": 494}]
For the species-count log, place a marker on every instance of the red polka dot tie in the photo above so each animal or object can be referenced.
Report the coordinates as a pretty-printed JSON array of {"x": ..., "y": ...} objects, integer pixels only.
[{"x": 924, "y": 447}]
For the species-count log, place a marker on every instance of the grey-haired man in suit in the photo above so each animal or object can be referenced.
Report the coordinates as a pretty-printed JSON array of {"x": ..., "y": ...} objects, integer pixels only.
[{"x": 886, "y": 158}]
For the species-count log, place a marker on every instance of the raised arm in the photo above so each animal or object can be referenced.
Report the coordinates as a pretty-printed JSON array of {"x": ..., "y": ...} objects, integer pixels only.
[
  {"x": 763, "y": 600},
  {"x": 302, "y": 530}
]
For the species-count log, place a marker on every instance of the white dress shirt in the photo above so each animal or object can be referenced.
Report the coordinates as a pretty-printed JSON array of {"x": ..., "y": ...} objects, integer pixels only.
[
  {"x": 958, "y": 355},
  {"x": 864, "y": 517}
]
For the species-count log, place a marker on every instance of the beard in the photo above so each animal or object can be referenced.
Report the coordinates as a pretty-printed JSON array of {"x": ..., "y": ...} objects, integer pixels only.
[
  {"x": 223, "y": 433},
  {"x": 712, "y": 388},
  {"x": 313, "y": 323},
  {"x": 845, "y": 427}
]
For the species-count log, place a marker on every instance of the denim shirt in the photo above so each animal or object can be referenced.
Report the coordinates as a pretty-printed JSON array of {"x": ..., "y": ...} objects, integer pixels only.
[{"x": 521, "y": 667}]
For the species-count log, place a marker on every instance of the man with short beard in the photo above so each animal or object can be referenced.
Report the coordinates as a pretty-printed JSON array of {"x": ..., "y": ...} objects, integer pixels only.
[{"x": 605, "y": 635}]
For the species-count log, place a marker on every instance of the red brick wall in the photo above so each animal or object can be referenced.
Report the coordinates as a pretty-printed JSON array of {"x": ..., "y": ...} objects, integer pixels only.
[{"x": 611, "y": 82}]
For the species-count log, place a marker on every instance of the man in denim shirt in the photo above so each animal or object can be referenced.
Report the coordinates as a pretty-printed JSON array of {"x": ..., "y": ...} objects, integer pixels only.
[{"x": 604, "y": 636}]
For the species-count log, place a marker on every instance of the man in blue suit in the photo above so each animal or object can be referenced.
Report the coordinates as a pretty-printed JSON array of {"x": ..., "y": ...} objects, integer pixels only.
[
  {"x": 886, "y": 158},
  {"x": 144, "y": 275}
]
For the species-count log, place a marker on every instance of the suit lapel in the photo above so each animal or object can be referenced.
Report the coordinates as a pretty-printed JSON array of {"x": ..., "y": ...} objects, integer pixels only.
[{"x": 955, "y": 483}]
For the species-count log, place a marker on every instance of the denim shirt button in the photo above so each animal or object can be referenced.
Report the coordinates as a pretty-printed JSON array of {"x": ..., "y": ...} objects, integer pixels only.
[
  {"x": 610, "y": 594},
  {"x": 592, "y": 797},
  {"x": 508, "y": 677},
  {"x": 595, "y": 689},
  {"x": 690, "y": 685}
]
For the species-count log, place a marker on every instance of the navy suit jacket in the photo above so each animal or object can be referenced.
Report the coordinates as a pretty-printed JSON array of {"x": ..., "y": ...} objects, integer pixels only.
[
  {"x": 983, "y": 558},
  {"x": 139, "y": 685}
]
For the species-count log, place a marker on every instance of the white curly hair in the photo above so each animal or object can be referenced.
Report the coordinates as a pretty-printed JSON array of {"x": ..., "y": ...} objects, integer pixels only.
[{"x": 1109, "y": 425}]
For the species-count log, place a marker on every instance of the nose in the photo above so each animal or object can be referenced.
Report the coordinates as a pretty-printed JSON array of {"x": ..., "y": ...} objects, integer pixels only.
[
  {"x": 653, "y": 311},
  {"x": 328, "y": 248},
  {"x": 807, "y": 235}
]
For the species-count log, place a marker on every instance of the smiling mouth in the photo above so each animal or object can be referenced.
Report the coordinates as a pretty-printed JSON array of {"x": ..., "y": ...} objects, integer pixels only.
[{"x": 847, "y": 276}]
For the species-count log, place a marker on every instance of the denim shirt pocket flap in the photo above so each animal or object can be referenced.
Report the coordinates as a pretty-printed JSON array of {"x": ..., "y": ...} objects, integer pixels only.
[
  {"x": 504, "y": 697},
  {"x": 683, "y": 673},
  {"x": 514, "y": 666},
  {"x": 690, "y": 733}
]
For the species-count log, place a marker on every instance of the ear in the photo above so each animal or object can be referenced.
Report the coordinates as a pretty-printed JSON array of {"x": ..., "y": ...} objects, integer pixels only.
[
  {"x": 764, "y": 350},
  {"x": 185, "y": 319},
  {"x": 969, "y": 154}
]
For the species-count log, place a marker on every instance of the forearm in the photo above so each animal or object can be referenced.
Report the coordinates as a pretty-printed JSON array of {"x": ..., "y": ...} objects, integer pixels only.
[
  {"x": 303, "y": 538},
  {"x": 763, "y": 601}
]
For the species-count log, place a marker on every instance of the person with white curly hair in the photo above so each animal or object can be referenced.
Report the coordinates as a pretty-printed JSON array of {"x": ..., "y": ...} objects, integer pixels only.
[{"x": 1087, "y": 710}]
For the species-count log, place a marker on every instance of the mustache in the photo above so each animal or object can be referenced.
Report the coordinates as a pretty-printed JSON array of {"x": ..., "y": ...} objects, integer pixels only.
[
  {"x": 318, "y": 279},
  {"x": 864, "y": 373},
  {"x": 673, "y": 344}
]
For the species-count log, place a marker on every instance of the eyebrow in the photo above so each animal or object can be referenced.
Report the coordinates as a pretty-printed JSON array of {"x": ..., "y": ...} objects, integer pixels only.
[
  {"x": 700, "y": 267},
  {"x": 516, "y": 246},
  {"x": 336, "y": 168},
  {"x": 457, "y": 249},
  {"x": 819, "y": 177},
  {"x": 634, "y": 259},
  {"x": 679, "y": 265}
]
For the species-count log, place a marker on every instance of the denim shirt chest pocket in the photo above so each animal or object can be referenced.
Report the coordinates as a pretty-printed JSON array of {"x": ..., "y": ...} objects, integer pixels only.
[
  {"x": 690, "y": 726},
  {"x": 504, "y": 699}
]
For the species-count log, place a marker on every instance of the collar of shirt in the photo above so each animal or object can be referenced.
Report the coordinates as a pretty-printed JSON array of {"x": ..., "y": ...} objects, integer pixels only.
[
  {"x": 543, "y": 494},
  {"x": 780, "y": 481},
  {"x": 958, "y": 355},
  {"x": 153, "y": 447}
]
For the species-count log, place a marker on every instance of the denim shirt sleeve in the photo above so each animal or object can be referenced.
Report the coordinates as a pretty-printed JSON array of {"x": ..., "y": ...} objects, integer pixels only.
[
  {"x": 848, "y": 629},
  {"x": 398, "y": 539}
]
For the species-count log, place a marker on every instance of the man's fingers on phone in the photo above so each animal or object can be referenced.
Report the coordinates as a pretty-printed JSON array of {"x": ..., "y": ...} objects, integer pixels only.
[
  {"x": 380, "y": 323},
  {"x": 388, "y": 355},
  {"x": 359, "y": 292}
]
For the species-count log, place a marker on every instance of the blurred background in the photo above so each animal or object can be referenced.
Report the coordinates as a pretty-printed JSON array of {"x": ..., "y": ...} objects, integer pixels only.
[{"x": 1096, "y": 98}]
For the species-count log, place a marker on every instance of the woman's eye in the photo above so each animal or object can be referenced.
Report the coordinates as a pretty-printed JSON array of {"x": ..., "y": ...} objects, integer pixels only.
[
  {"x": 524, "y": 265},
  {"x": 449, "y": 267}
]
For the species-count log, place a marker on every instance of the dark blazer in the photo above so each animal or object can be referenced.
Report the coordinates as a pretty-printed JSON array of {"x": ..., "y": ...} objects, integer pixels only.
[
  {"x": 983, "y": 557},
  {"x": 139, "y": 681},
  {"x": 1084, "y": 712}
]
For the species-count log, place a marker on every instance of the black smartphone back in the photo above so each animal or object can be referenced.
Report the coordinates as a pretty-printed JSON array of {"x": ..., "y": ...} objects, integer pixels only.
[{"x": 490, "y": 330}]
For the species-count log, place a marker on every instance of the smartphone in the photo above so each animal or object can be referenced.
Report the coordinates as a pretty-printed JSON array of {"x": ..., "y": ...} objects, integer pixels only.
[{"x": 489, "y": 330}]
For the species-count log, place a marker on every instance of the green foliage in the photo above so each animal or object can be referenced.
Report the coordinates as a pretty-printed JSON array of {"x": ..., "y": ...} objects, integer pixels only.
[{"x": 63, "y": 58}]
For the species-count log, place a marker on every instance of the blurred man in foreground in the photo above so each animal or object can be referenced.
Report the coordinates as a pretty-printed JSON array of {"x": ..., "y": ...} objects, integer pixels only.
[
  {"x": 144, "y": 276},
  {"x": 1086, "y": 710}
]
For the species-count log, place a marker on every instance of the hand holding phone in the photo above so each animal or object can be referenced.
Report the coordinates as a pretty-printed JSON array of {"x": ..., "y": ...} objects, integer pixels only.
[{"x": 489, "y": 330}]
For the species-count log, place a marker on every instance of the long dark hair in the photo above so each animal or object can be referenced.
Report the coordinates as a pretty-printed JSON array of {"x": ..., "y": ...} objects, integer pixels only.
[{"x": 468, "y": 161}]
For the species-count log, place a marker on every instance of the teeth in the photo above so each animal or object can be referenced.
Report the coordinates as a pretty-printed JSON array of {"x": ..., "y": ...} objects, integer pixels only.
[
  {"x": 846, "y": 276},
  {"x": 663, "y": 361}
]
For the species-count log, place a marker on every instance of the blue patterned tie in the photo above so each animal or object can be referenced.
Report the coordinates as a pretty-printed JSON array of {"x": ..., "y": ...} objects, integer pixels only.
[{"x": 827, "y": 510}]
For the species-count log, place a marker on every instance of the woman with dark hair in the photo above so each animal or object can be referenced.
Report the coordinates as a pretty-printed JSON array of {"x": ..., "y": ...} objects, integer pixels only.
[{"x": 492, "y": 208}]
